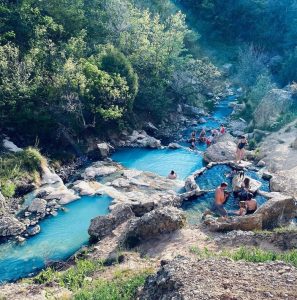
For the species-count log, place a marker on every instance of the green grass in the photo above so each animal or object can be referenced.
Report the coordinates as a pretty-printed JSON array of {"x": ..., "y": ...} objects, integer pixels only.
[
  {"x": 74, "y": 277},
  {"x": 122, "y": 287},
  {"x": 24, "y": 165},
  {"x": 255, "y": 255}
]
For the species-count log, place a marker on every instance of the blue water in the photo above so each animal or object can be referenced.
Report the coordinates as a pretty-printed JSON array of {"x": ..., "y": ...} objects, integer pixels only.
[
  {"x": 161, "y": 162},
  {"x": 219, "y": 116},
  {"x": 210, "y": 180},
  {"x": 60, "y": 237}
]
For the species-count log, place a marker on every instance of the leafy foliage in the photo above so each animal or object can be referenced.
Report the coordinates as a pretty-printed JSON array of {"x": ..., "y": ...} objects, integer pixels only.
[{"x": 68, "y": 67}]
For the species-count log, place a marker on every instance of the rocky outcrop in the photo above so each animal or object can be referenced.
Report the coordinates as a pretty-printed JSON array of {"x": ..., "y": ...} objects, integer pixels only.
[
  {"x": 192, "y": 278},
  {"x": 274, "y": 103},
  {"x": 152, "y": 224},
  {"x": 83, "y": 188},
  {"x": 102, "y": 226},
  {"x": 104, "y": 149},
  {"x": 192, "y": 111},
  {"x": 190, "y": 184},
  {"x": 237, "y": 127},
  {"x": 98, "y": 169},
  {"x": 281, "y": 159},
  {"x": 223, "y": 150},
  {"x": 10, "y": 226},
  {"x": 37, "y": 206},
  {"x": 140, "y": 139}
]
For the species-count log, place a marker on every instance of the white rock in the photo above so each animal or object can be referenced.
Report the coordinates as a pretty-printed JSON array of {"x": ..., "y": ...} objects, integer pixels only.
[{"x": 10, "y": 146}]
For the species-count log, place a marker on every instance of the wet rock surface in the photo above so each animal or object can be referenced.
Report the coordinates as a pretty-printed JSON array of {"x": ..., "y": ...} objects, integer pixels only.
[
  {"x": 217, "y": 279},
  {"x": 10, "y": 226}
]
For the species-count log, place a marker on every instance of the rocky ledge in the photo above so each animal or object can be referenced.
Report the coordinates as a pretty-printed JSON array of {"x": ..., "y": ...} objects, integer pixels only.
[{"x": 221, "y": 279}]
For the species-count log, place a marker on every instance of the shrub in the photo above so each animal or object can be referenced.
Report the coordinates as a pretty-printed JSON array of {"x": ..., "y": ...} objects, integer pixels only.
[{"x": 8, "y": 189}]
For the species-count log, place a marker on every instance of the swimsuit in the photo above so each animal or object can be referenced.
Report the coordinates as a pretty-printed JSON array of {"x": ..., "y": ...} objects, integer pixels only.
[
  {"x": 249, "y": 212},
  {"x": 219, "y": 209},
  {"x": 241, "y": 145}
]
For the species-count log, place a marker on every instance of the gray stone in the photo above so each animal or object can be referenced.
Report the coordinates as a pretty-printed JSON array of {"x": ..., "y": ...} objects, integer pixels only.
[
  {"x": 37, "y": 206},
  {"x": 33, "y": 230},
  {"x": 102, "y": 226},
  {"x": 104, "y": 149},
  {"x": 174, "y": 146},
  {"x": 159, "y": 221},
  {"x": 274, "y": 103},
  {"x": 223, "y": 150},
  {"x": 10, "y": 226}
]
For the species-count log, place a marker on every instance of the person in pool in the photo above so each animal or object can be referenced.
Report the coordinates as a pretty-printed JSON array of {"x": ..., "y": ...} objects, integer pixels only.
[
  {"x": 221, "y": 196},
  {"x": 172, "y": 175},
  {"x": 202, "y": 135},
  {"x": 242, "y": 143},
  {"x": 251, "y": 204},
  {"x": 222, "y": 129}
]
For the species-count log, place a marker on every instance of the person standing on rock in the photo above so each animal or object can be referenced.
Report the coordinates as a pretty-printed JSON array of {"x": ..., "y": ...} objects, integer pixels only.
[
  {"x": 240, "y": 150},
  {"x": 221, "y": 196},
  {"x": 222, "y": 129}
]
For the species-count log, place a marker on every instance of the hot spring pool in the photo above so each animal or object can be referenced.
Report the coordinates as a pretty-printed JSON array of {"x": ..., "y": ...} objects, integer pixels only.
[
  {"x": 60, "y": 237},
  {"x": 161, "y": 162},
  {"x": 210, "y": 180}
]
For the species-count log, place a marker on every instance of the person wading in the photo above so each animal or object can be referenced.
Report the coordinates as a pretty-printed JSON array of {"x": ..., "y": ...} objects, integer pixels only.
[{"x": 221, "y": 196}]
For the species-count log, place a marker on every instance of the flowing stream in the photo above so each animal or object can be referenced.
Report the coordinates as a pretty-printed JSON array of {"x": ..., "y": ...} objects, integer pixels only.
[{"x": 63, "y": 235}]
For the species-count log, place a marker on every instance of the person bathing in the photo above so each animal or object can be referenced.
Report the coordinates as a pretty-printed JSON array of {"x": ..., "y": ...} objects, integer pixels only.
[
  {"x": 221, "y": 196},
  {"x": 172, "y": 175}
]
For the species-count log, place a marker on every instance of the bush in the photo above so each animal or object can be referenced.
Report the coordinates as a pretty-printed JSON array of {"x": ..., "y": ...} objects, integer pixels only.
[{"x": 25, "y": 164}]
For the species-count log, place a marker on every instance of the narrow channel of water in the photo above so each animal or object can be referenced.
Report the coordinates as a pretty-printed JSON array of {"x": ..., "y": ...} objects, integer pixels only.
[{"x": 60, "y": 237}]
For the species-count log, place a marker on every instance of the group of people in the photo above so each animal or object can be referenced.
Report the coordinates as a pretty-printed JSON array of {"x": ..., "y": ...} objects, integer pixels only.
[
  {"x": 247, "y": 203},
  {"x": 203, "y": 138}
]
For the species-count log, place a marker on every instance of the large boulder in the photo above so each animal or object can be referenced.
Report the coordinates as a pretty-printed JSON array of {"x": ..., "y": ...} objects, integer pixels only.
[
  {"x": 285, "y": 182},
  {"x": 10, "y": 226},
  {"x": 104, "y": 149},
  {"x": 277, "y": 211},
  {"x": 151, "y": 225},
  {"x": 193, "y": 111},
  {"x": 223, "y": 150},
  {"x": 245, "y": 223},
  {"x": 37, "y": 206},
  {"x": 274, "y": 103},
  {"x": 102, "y": 226}
]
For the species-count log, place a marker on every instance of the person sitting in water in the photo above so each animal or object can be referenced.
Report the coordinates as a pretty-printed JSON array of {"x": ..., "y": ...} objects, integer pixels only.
[
  {"x": 222, "y": 129},
  {"x": 209, "y": 140},
  {"x": 202, "y": 135},
  {"x": 216, "y": 134},
  {"x": 242, "y": 209},
  {"x": 251, "y": 204},
  {"x": 242, "y": 143},
  {"x": 172, "y": 175},
  {"x": 221, "y": 196},
  {"x": 245, "y": 189}
]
